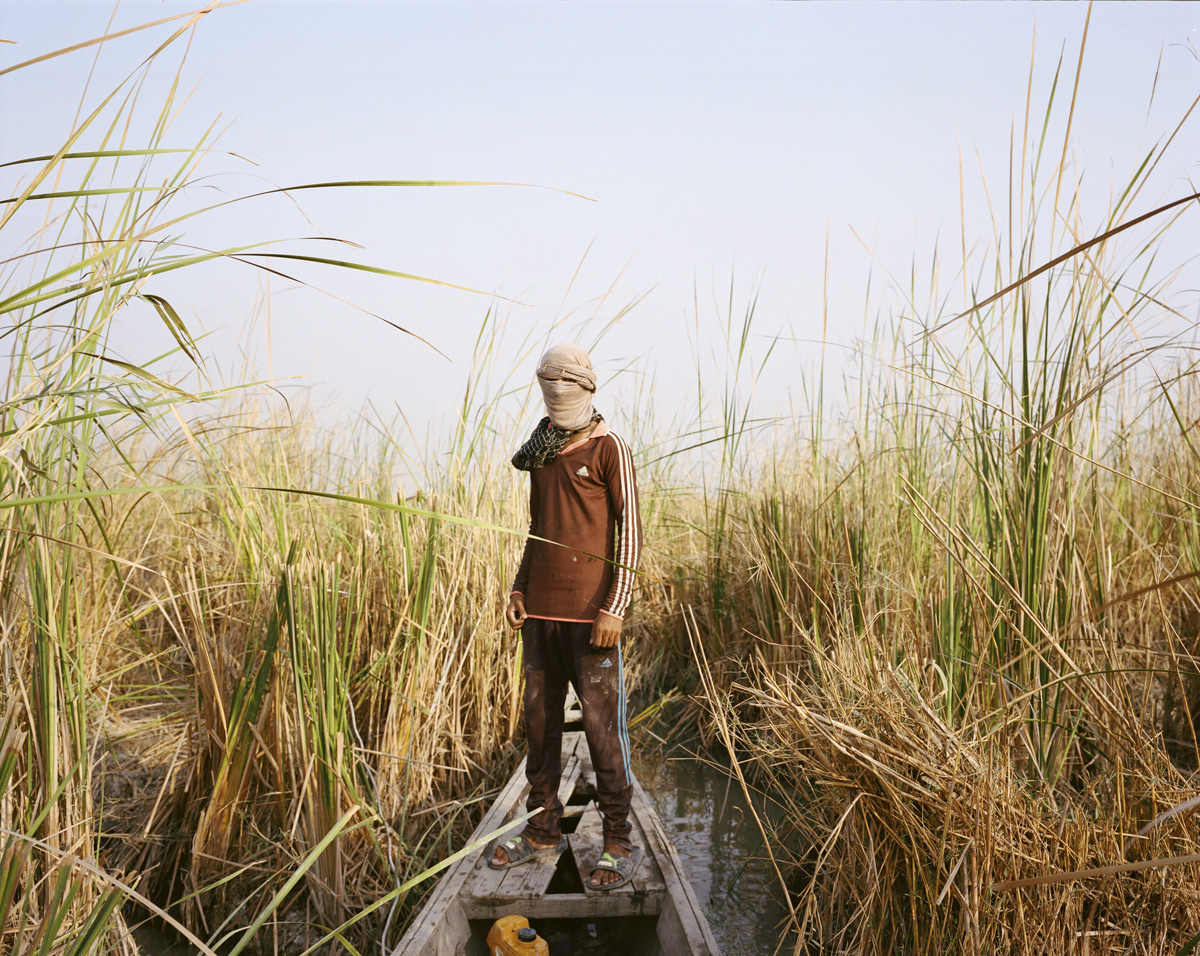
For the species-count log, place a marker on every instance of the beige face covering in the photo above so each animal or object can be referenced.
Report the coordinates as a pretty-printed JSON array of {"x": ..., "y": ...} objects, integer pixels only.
[{"x": 568, "y": 383}]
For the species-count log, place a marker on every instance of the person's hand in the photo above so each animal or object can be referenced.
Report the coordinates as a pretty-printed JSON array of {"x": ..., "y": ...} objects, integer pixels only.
[
  {"x": 515, "y": 612},
  {"x": 606, "y": 630}
]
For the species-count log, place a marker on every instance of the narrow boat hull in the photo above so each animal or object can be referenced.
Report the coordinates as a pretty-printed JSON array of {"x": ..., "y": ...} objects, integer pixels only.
[{"x": 658, "y": 912}]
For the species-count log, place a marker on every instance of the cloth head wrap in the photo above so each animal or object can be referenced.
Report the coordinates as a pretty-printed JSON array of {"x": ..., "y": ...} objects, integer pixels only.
[{"x": 568, "y": 383}]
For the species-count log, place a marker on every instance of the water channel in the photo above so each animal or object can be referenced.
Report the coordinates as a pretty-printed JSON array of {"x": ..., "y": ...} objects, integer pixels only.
[{"x": 706, "y": 815}]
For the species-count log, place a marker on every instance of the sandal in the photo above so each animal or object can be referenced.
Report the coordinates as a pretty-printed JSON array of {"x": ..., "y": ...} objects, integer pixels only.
[
  {"x": 623, "y": 866},
  {"x": 520, "y": 850}
]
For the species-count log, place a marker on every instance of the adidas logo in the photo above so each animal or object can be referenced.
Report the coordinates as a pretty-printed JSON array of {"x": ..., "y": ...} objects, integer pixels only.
[
  {"x": 607, "y": 663},
  {"x": 583, "y": 472}
]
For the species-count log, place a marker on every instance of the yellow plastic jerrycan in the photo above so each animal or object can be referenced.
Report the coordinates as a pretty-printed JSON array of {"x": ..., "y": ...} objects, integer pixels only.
[{"x": 513, "y": 936}]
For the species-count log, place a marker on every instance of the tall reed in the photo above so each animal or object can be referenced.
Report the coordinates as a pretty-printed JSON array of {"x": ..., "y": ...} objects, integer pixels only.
[
  {"x": 217, "y": 690},
  {"x": 967, "y": 656}
]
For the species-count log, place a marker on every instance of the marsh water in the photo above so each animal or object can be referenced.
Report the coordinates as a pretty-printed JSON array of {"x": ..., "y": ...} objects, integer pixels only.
[{"x": 707, "y": 817}]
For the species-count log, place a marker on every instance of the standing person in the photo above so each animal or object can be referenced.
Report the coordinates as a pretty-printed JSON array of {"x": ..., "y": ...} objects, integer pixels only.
[{"x": 568, "y": 600}]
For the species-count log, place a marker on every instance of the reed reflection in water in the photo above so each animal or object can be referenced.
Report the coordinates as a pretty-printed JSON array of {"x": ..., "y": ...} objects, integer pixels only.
[{"x": 706, "y": 816}]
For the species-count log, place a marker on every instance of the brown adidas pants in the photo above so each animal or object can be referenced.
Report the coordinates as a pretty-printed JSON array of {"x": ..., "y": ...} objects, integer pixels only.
[{"x": 556, "y": 652}]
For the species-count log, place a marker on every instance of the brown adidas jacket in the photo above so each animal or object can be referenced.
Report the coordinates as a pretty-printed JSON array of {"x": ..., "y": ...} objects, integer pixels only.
[{"x": 585, "y": 501}]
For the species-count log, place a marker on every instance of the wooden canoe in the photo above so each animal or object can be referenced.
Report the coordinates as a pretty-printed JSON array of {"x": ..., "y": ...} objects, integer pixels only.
[{"x": 655, "y": 915}]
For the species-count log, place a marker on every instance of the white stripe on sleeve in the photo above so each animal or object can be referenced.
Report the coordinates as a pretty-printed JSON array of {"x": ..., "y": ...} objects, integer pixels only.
[{"x": 629, "y": 545}]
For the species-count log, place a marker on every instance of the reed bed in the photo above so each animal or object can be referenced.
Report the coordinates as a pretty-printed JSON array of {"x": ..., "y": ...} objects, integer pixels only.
[
  {"x": 956, "y": 635},
  {"x": 257, "y": 682},
  {"x": 951, "y": 783},
  {"x": 257, "y": 715}
]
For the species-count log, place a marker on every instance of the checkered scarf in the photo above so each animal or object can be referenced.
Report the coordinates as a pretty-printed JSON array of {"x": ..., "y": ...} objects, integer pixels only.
[{"x": 545, "y": 443}]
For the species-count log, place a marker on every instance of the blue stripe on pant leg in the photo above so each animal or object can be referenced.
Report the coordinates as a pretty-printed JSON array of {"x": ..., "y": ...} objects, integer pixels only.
[{"x": 623, "y": 728}]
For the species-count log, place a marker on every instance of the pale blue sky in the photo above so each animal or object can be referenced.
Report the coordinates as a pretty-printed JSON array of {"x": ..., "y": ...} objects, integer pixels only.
[{"x": 715, "y": 139}]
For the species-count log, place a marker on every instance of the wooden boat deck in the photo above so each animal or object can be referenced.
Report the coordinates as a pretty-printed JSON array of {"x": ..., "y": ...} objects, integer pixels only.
[{"x": 471, "y": 895}]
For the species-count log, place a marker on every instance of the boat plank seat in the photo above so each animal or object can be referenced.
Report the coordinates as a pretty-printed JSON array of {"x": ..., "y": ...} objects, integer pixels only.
[
  {"x": 529, "y": 877},
  {"x": 587, "y": 844}
]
